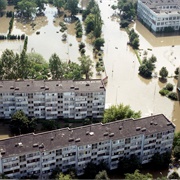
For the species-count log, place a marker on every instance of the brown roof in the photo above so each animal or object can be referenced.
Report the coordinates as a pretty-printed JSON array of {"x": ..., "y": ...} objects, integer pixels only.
[
  {"x": 30, "y": 86},
  {"x": 85, "y": 135}
]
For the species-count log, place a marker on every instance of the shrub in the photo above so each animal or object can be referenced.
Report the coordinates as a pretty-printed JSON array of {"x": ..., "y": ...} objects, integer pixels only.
[
  {"x": 83, "y": 51},
  {"x": 81, "y": 46},
  {"x": 164, "y": 92},
  {"x": 173, "y": 96},
  {"x": 169, "y": 87}
]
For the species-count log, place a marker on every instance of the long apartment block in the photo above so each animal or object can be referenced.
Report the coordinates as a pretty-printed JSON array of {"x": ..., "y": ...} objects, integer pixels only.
[
  {"x": 39, "y": 154},
  {"x": 53, "y": 99},
  {"x": 159, "y": 14}
]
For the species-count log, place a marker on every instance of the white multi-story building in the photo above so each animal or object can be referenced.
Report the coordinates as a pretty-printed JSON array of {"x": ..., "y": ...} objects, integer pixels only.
[
  {"x": 53, "y": 99},
  {"x": 159, "y": 14},
  {"x": 39, "y": 154}
]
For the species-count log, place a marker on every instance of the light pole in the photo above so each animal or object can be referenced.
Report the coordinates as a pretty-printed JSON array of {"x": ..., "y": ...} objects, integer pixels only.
[{"x": 117, "y": 93}]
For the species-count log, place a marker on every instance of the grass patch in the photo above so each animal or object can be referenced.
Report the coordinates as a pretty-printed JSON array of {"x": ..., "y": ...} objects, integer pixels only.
[{"x": 137, "y": 55}]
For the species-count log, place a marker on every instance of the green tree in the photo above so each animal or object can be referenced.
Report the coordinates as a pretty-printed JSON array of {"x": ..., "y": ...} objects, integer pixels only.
[
  {"x": 39, "y": 68},
  {"x": 56, "y": 67},
  {"x": 127, "y": 11},
  {"x": 73, "y": 71},
  {"x": 40, "y": 5},
  {"x": 20, "y": 124},
  {"x": 72, "y": 6},
  {"x": 129, "y": 164},
  {"x": 174, "y": 175},
  {"x": 119, "y": 112},
  {"x": 89, "y": 8},
  {"x": 98, "y": 43},
  {"x": 86, "y": 65},
  {"x": 147, "y": 67},
  {"x": 173, "y": 96},
  {"x": 102, "y": 175},
  {"x": 138, "y": 176},
  {"x": 176, "y": 141},
  {"x": 64, "y": 177},
  {"x": 176, "y": 152},
  {"x": 134, "y": 39},
  {"x": 27, "y": 7},
  {"x": 176, "y": 72},
  {"x": 163, "y": 72},
  {"x": 3, "y": 4},
  {"x": 59, "y": 4},
  {"x": 169, "y": 87},
  {"x": 160, "y": 161},
  {"x": 97, "y": 24},
  {"x": 92, "y": 169},
  {"x": 24, "y": 66},
  {"x": 9, "y": 64},
  {"x": 89, "y": 23}
]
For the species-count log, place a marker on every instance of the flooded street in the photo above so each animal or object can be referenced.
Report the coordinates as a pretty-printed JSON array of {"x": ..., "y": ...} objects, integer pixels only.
[{"x": 124, "y": 84}]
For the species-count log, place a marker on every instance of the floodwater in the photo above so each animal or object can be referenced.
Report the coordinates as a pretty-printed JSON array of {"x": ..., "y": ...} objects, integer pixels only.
[
  {"x": 49, "y": 40},
  {"x": 124, "y": 84}
]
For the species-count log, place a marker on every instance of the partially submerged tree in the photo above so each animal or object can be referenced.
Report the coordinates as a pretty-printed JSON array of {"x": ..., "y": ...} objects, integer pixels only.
[
  {"x": 27, "y": 8},
  {"x": 163, "y": 72},
  {"x": 72, "y": 6},
  {"x": 3, "y": 4}
]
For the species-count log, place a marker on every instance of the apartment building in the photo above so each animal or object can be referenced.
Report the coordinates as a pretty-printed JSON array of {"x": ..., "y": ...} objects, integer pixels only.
[
  {"x": 53, "y": 99},
  {"x": 39, "y": 154},
  {"x": 159, "y": 14}
]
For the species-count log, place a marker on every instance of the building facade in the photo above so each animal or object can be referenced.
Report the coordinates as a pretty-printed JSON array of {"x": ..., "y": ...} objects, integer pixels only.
[
  {"x": 39, "y": 154},
  {"x": 159, "y": 14},
  {"x": 53, "y": 99}
]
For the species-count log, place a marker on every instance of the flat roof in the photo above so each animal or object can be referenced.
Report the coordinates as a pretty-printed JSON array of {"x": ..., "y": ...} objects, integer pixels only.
[
  {"x": 84, "y": 135},
  {"x": 51, "y": 86},
  {"x": 156, "y": 6}
]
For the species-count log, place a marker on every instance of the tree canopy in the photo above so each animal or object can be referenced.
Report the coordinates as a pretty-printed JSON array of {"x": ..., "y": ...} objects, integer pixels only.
[
  {"x": 176, "y": 146},
  {"x": 163, "y": 72},
  {"x": 102, "y": 175},
  {"x": 27, "y": 7},
  {"x": 129, "y": 164},
  {"x": 119, "y": 112},
  {"x": 147, "y": 67},
  {"x": 72, "y": 6},
  {"x": 86, "y": 65},
  {"x": 174, "y": 175},
  {"x": 20, "y": 124},
  {"x": 3, "y": 4},
  {"x": 138, "y": 176},
  {"x": 56, "y": 66},
  {"x": 127, "y": 10}
]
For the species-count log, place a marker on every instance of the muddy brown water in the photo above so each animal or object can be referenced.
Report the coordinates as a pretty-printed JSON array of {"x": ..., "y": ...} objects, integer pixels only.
[{"x": 124, "y": 84}]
